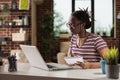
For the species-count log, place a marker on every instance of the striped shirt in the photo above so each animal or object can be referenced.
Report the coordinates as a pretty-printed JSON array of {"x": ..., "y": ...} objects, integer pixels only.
[{"x": 89, "y": 49}]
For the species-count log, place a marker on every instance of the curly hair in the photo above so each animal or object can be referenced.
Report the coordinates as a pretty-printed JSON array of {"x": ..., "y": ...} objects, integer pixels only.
[{"x": 83, "y": 16}]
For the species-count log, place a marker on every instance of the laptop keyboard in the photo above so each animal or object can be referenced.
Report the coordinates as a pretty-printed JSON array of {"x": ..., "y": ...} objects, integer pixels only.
[{"x": 50, "y": 66}]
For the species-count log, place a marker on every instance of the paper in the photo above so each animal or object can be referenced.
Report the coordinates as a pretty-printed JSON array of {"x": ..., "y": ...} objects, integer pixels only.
[
  {"x": 73, "y": 60},
  {"x": 24, "y": 5}
]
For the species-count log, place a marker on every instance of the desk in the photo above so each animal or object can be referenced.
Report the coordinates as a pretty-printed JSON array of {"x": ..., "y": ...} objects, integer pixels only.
[{"x": 26, "y": 72}]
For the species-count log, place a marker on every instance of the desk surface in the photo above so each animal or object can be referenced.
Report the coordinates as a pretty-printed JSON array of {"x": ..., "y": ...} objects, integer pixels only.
[{"x": 25, "y": 70}]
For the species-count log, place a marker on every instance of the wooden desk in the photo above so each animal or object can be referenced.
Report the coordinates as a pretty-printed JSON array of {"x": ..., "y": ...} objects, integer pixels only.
[{"x": 26, "y": 72}]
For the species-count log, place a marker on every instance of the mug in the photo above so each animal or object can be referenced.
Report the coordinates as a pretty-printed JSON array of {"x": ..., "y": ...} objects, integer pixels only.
[{"x": 102, "y": 63}]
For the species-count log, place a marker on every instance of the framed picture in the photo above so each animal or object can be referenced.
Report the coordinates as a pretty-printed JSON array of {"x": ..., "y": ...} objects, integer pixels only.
[{"x": 24, "y": 4}]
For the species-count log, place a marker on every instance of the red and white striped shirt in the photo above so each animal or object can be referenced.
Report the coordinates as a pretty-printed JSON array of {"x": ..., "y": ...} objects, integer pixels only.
[{"x": 90, "y": 48}]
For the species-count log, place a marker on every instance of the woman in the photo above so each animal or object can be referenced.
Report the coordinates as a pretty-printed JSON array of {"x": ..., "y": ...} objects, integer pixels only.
[{"x": 90, "y": 46}]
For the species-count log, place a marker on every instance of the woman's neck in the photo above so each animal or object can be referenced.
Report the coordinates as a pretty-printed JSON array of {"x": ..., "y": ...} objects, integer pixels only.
[{"x": 83, "y": 34}]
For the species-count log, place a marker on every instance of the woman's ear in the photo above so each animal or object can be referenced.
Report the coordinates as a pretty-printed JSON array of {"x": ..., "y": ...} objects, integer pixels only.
[{"x": 83, "y": 24}]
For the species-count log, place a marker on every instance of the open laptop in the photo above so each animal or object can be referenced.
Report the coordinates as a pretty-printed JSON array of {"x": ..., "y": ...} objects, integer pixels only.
[{"x": 36, "y": 60}]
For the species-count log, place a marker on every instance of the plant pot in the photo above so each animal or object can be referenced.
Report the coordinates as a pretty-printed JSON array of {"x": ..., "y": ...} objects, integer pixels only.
[
  {"x": 112, "y": 71},
  {"x": 2, "y": 68},
  {"x": 64, "y": 35}
]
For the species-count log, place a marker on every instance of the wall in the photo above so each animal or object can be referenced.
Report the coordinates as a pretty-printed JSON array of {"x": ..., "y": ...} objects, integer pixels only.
[{"x": 6, "y": 31}]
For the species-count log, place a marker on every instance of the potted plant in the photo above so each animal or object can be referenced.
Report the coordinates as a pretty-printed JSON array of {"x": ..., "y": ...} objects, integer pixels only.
[
  {"x": 112, "y": 66},
  {"x": 1, "y": 65},
  {"x": 13, "y": 23},
  {"x": 64, "y": 34},
  {"x": 47, "y": 41},
  {"x": 5, "y": 7},
  {"x": 58, "y": 23}
]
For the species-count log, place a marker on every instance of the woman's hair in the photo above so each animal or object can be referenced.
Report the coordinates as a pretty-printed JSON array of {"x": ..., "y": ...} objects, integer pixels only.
[{"x": 83, "y": 16}]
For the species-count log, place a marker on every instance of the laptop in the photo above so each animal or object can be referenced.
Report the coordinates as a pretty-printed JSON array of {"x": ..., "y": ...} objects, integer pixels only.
[{"x": 36, "y": 60}]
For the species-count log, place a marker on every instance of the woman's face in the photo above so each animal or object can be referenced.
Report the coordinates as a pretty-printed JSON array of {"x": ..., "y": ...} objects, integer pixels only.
[{"x": 75, "y": 25}]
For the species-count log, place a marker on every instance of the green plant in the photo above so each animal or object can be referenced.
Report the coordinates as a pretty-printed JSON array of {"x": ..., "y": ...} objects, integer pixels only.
[
  {"x": 5, "y": 7},
  {"x": 46, "y": 37},
  {"x": 63, "y": 32},
  {"x": 112, "y": 56},
  {"x": 58, "y": 23},
  {"x": 13, "y": 23},
  {"x": 1, "y": 18}
]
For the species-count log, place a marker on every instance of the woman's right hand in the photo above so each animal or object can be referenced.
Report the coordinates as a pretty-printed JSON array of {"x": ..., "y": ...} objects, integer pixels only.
[{"x": 84, "y": 65}]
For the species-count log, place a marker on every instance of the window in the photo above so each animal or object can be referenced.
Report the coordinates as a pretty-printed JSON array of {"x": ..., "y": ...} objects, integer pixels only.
[
  {"x": 102, "y": 15},
  {"x": 62, "y": 11},
  {"x": 83, "y": 4},
  {"x": 101, "y": 12}
]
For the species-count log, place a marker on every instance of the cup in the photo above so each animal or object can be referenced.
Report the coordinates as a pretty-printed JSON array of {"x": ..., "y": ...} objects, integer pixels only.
[{"x": 102, "y": 63}]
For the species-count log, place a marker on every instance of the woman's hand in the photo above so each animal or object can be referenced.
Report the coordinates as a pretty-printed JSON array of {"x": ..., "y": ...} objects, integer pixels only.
[
  {"x": 84, "y": 65},
  {"x": 88, "y": 65}
]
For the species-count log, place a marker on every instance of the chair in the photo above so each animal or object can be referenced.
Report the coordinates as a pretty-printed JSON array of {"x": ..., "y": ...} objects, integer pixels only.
[{"x": 64, "y": 46}]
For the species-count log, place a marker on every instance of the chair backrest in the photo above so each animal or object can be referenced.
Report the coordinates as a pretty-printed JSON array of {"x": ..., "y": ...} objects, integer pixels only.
[{"x": 64, "y": 46}]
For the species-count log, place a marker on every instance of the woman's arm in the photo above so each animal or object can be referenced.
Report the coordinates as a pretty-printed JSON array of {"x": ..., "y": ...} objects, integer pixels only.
[
  {"x": 93, "y": 65},
  {"x": 89, "y": 65},
  {"x": 69, "y": 54},
  {"x": 103, "y": 52}
]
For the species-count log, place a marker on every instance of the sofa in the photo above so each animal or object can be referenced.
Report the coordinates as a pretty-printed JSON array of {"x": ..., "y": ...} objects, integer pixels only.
[{"x": 64, "y": 46}]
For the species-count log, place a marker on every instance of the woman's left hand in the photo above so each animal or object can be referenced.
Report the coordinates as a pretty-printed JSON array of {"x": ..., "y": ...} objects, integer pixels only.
[{"x": 84, "y": 65}]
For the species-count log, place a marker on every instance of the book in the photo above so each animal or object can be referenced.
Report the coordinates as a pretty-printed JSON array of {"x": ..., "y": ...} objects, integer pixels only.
[
  {"x": 73, "y": 60},
  {"x": 24, "y": 5}
]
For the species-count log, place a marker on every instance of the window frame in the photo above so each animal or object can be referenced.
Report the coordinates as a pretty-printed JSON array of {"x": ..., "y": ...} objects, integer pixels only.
[{"x": 92, "y": 15}]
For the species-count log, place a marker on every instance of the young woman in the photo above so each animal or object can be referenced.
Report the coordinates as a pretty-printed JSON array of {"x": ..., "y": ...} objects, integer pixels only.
[{"x": 90, "y": 46}]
